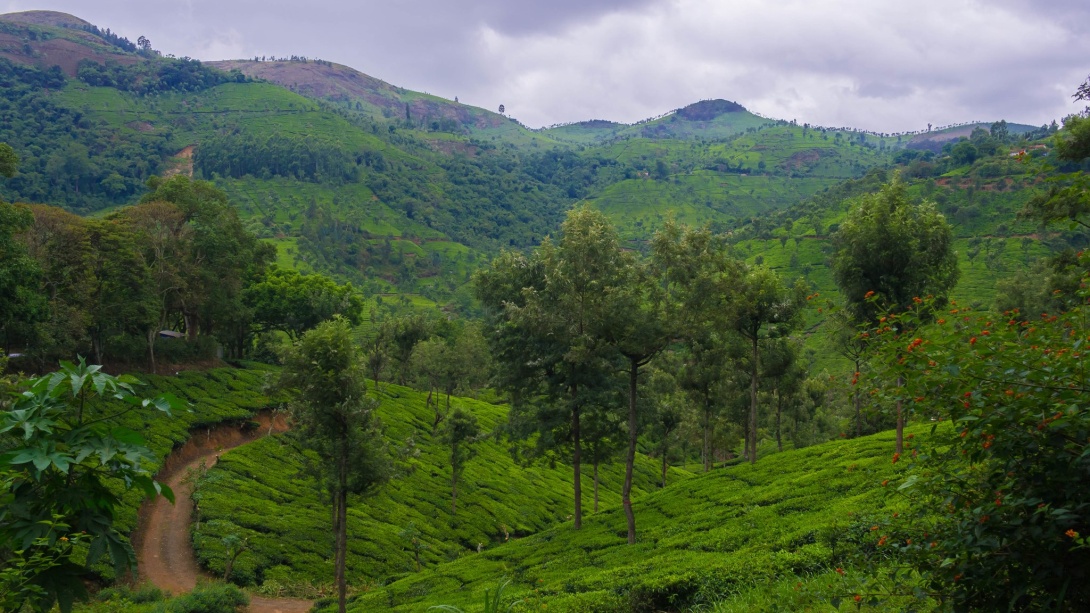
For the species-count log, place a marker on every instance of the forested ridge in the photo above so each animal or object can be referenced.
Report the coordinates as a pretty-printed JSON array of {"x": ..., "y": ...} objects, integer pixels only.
[{"x": 707, "y": 362}]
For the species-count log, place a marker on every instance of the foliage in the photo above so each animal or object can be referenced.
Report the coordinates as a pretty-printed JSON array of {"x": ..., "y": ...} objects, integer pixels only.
[
  {"x": 154, "y": 77},
  {"x": 1000, "y": 497},
  {"x": 493, "y": 602},
  {"x": 335, "y": 421},
  {"x": 68, "y": 159},
  {"x": 708, "y": 539},
  {"x": 263, "y": 492},
  {"x": 9, "y": 162},
  {"x": 62, "y": 461},
  {"x": 213, "y": 598},
  {"x": 293, "y": 303},
  {"x": 894, "y": 248},
  {"x": 461, "y": 434},
  {"x": 20, "y": 304}
]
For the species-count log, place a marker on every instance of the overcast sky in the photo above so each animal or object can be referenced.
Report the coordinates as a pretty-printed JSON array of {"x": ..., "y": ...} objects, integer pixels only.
[{"x": 880, "y": 65}]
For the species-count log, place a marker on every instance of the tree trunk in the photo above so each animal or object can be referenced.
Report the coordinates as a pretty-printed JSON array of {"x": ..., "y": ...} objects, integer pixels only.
[
  {"x": 858, "y": 404},
  {"x": 340, "y": 504},
  {"x": 900, "y": 419},
  {"x": 752, "y": 451},
  {"x": 630, "y": 457},
  {"x": 577, "y": 457},
  {"x": 453, "y": 493},
  {"x": 779, "y": 413},
  {"x": 453, "y": 480},
  {"x": 596, "y": 483},
  {"x": 151, "y": 349},
  {"x": 707, "y": 431},
  {"x": 665, "y": 450}
]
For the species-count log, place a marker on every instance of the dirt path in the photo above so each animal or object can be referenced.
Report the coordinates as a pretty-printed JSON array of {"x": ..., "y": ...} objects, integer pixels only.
[{"x": 163, "y": 549}]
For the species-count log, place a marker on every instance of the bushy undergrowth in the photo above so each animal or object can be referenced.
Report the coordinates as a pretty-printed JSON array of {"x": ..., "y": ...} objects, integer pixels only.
[
  {"x": 744, "y": 536},
  {"x": 208, "y": 598},
  {"x": 260, "y": 492}
]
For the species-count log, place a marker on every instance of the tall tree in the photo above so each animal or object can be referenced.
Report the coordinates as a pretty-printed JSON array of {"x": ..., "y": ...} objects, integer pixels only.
[
  {"x": 641, "y": 325},
  {"x": 335, "y": 421},
  {"x": 549, "y": 312},
  {"x": 461, "y": 435},
  {"x": 763, "y": 308},
  {"x": 782, "y": 367},
  {"x": 20, "y": 303},
  {"x": 889, "y": 251},
  {"x": 694, "y": 267},
  {"x": 292, "y": 302}
]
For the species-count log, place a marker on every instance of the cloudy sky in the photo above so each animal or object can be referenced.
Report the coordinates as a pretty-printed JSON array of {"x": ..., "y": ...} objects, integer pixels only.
[{"x": 881, "y": 65}]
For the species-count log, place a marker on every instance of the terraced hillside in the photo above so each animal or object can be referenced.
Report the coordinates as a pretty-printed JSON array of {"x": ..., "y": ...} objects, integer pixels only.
[
  {"x": 767, "y": 537},
  {"x": 261, "y": 492}
]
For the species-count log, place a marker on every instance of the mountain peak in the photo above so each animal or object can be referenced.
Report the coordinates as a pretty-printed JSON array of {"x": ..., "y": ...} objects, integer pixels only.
[
  {"x": 45, "y": 18},
  {"x": 706, "y": 110}
]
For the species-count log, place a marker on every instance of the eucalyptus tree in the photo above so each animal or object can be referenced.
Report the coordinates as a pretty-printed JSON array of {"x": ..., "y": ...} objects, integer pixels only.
[
  {"x": 890, "y": 251},
  {"x": 461, "y": 435},
  {"x": 762, "y": 307},
  {"x": 335, "y": 422},
  {"x": 694, "y": 267},
  {"x": 549, "y": 312}
]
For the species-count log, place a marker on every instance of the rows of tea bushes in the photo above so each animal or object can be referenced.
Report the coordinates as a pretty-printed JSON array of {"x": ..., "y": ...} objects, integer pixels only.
[
  {"x": 769, "y": 536},
  {"x": 262, "y": 492},
  {"x": 213, "y": 396}
]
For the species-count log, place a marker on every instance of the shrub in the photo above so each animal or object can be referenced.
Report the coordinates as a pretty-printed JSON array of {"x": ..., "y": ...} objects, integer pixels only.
[{"x": 211, "y": 598}]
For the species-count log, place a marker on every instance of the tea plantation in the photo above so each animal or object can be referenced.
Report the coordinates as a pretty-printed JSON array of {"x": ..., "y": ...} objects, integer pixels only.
[
  {"x": 743, "y": 538},
  {"x": 262, "y": 492}
]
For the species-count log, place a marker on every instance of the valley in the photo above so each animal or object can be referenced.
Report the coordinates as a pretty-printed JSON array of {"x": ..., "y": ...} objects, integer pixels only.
[{"x": 401, "y": 353}]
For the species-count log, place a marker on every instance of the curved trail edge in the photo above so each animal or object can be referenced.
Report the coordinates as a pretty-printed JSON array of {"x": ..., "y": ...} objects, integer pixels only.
[{"x": 164, "y": 551}]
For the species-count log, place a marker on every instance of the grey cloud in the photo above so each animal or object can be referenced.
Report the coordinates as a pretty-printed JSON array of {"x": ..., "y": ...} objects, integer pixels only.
[{"x": 883, "y": 66}]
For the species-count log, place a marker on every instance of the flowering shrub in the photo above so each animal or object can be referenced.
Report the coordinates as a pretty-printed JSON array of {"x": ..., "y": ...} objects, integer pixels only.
[{"x": 1002, "y": 489}]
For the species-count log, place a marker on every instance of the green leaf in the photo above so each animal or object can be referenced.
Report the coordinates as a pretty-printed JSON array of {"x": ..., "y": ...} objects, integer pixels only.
[
  {"x": 165, "y": 491},
  {"x": 95, "y": 551},
  {"x": 127, "y": 436}
]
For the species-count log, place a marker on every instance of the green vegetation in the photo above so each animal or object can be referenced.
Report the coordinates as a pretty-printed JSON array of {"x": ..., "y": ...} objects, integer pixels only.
[
  {"x": 261, "y": 492},
  {"x": 703, "y": 540},
  {"x": 678, "y": 347},
  {"x": 335, "y": 424}
]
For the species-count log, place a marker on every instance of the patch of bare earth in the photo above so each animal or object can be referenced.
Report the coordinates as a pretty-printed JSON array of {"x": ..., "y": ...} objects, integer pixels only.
[
  {"x": 181, "y": 163},
  {"x": 163, "y": 547}
]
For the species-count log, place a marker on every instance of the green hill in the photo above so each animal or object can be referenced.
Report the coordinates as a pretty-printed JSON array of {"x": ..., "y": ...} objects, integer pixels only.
[
  {"x": 261, "y": 492},
  {"x": 741, "y": 538},
  {"x": 355, "y": 91}
]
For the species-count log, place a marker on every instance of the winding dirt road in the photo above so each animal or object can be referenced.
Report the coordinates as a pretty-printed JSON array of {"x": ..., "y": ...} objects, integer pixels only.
[{"x": 164, "y": 552}]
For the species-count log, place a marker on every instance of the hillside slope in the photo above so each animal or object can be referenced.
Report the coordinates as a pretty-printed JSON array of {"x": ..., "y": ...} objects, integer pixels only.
[
  {"x": 743, "y": 533},
  {"x": 262, "y": 492}
]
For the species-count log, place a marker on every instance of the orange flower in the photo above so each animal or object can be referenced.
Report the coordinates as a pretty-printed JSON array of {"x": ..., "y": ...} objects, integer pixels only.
[
  {"x": 840, "y": 571},
  {"x": 867, "y": 295},
  {"x": 1072, "y": 534},
  {"x": 858, "y": 598}
]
